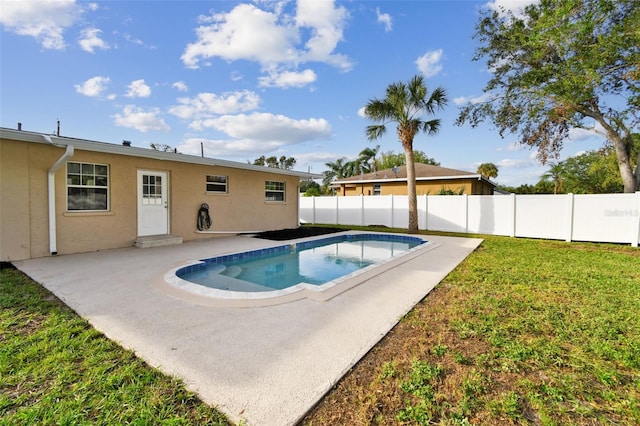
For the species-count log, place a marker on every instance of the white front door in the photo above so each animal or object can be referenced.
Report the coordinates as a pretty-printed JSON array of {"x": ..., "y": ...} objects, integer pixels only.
[{"x": 153, "y": 203}]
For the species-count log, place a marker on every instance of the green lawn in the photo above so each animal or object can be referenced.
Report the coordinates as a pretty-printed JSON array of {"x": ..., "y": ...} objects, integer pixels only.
[
  {"x": 56, "y": 369},
  {"x": 522, "y": 332}
]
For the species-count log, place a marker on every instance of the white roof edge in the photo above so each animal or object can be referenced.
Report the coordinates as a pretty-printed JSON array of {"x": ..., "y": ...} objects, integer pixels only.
[
  {"x": 472, "y": 176},
  {"x": 112, "y": 148}
]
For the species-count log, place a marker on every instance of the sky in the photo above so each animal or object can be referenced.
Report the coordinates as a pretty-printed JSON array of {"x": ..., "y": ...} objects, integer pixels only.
[{"x": 242, "y": 79}]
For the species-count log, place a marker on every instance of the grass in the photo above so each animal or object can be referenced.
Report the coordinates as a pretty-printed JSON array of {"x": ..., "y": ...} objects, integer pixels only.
[
  {"x": 522, "y": 332},
  {"x": 56, "y": 369}
]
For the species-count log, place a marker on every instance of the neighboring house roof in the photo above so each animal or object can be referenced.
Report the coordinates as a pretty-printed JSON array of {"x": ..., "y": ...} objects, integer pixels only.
[
  {"x": 423, "y": 172},
  {"x": 105, "y": 147}
]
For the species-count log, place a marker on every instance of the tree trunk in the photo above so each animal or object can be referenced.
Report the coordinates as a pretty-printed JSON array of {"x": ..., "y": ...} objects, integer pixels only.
[
  {"x": 411, "y": 191},
  {"x": 629, "y": 179}
]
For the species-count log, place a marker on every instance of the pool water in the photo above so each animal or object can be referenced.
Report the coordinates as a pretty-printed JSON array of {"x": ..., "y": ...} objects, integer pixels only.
[{"x": 313, "y": 262}]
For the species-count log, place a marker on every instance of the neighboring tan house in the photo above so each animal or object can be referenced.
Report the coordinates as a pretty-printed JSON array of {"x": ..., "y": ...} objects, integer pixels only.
[
  {"x": 430, "y": 180},
  {"x": 60, "y": 195}
]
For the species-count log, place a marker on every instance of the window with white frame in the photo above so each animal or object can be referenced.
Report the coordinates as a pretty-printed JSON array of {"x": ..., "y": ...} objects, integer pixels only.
[
  {"x": 377, "y": 189},
  {"x": 87, "y": 187},
  {"x": 217, "y": 184},
  {"x": 274, "y": 191}
]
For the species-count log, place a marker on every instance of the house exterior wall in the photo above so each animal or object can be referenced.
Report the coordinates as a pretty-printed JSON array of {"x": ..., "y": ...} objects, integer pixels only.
[
  {"x": 430, "y": 187},
  {"x": 15, "y": 230},
  {"x": 24, "y": 227}
]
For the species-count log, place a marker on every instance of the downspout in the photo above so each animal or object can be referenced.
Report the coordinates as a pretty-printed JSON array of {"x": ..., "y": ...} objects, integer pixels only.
[{"x": 51, "y": 181}]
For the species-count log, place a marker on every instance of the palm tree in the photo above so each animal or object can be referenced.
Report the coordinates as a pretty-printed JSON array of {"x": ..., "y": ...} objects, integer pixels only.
[
  {"x": 555, "y": 173},
  {"x": 365, "y": 163},
  {"x": 367, "y": 159},
  {"x": 405, "y": 104},
  {"x": 488, "y": 170},
  {"x": 337, "y": 170}
]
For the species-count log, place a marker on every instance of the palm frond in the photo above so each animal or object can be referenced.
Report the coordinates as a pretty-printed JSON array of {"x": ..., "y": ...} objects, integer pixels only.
[
  {"x": 376, "y": 131},
  {"x": 430, "y": 127},
  {"x": 406, "y": 104},
  {"x": 378, "y": 110}
]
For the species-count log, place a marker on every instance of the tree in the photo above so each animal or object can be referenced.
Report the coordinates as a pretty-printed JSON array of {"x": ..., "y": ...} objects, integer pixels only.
[
  {"x": 488, "y": 170},
  {"x": 337, "y": 170},
  {"x": 162, "y": 147},
  {"x": 390, "y": 159},
  {"x": 421, "y": 157},
  {"x": 260, "y": 161},
  {"x": 367, "y": 159},
  {"x": 593, "y": 172},
  {"x": 283, "y": 162},
  {"x": 563, "y": 64},
  {"x": 310, "y": 188},
  {"x": 405, "y": 104},
  {"x": 554, "y": 174}
]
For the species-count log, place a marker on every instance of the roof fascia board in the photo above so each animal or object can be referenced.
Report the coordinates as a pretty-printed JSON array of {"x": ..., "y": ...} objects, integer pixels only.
[
  {"x": 382, "y": 180},
  {"x": 110, "y": 148}
]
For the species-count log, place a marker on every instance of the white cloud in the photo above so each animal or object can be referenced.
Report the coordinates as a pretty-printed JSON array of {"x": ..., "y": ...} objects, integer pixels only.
[
  {"x": 521, "y": 177},
  {"x": 509, "y": 163},
  {"x": 180, "y": 86},
  {"x": 314, "y": 157},
  {"x": 579, "y": 134},
  {"x": 327, "y": 23},
  {"x": 461, "y": 100},
  {"x": 276, "y": 129},
  {"x": 205, "y": 105},
  {"x": 361, "y": 112},
  {"x": 385, "y": 19},
  {"x": 275, "y": 40},
  {"x": 138, "y": 89},
  {"x": 93, "y": 87},
  {"x": 90, "y": 40},
  {"x": 288, "y": 79},
  {"x": 128, "y": 37},
  {"x": 429, "y": 63},
  {"x": 513, "y": 147},
  {"x": 228, "y": 149},
  {"x": 45, "y": 21},
  {"x": 141, "y": 119},
  {"x": 514, "y": 6},
  {"x": 246, "y": 32}
]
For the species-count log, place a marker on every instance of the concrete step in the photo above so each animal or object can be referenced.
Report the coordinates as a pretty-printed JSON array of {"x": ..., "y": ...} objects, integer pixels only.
[{"x": 157, "y": 241}]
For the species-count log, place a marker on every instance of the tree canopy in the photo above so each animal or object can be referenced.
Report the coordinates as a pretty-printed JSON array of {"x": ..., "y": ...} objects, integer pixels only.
[
  {"x": 559, "y": 65},
  {"x": 283, "y": 162},
  {"x": 162, "y": 147},
  {"x": 337, "y": 170},
  {"x": 489, "y": 170},
  {"x": 592, "y": 172},
  {"x": 392, "y": 159}
]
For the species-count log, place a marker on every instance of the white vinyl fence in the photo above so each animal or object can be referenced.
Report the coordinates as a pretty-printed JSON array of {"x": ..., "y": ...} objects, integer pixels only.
[{"x": 613, "y": 218}]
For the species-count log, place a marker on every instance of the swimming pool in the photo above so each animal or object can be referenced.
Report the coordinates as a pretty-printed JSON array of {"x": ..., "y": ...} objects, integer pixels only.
[{"x": 318, "y": 268}]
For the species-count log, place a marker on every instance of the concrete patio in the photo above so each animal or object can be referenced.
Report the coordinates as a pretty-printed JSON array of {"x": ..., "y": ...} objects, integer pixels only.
[{"x": 264, "y": 365}]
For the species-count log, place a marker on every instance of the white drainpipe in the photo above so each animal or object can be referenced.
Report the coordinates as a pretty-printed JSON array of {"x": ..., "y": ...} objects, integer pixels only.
[{"x": 51, "y": 180}]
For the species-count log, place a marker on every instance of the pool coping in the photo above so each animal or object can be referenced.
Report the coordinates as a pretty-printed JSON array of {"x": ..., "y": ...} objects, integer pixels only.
[{"x": 175, "y": 286}]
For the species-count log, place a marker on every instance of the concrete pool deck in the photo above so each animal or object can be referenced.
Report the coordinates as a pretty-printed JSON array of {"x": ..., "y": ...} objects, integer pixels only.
[{"x": 264, "y": 365}]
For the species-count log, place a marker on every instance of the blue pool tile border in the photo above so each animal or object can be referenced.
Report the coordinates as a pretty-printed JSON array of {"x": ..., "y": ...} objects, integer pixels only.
[{"x": 204, "y": 263}]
